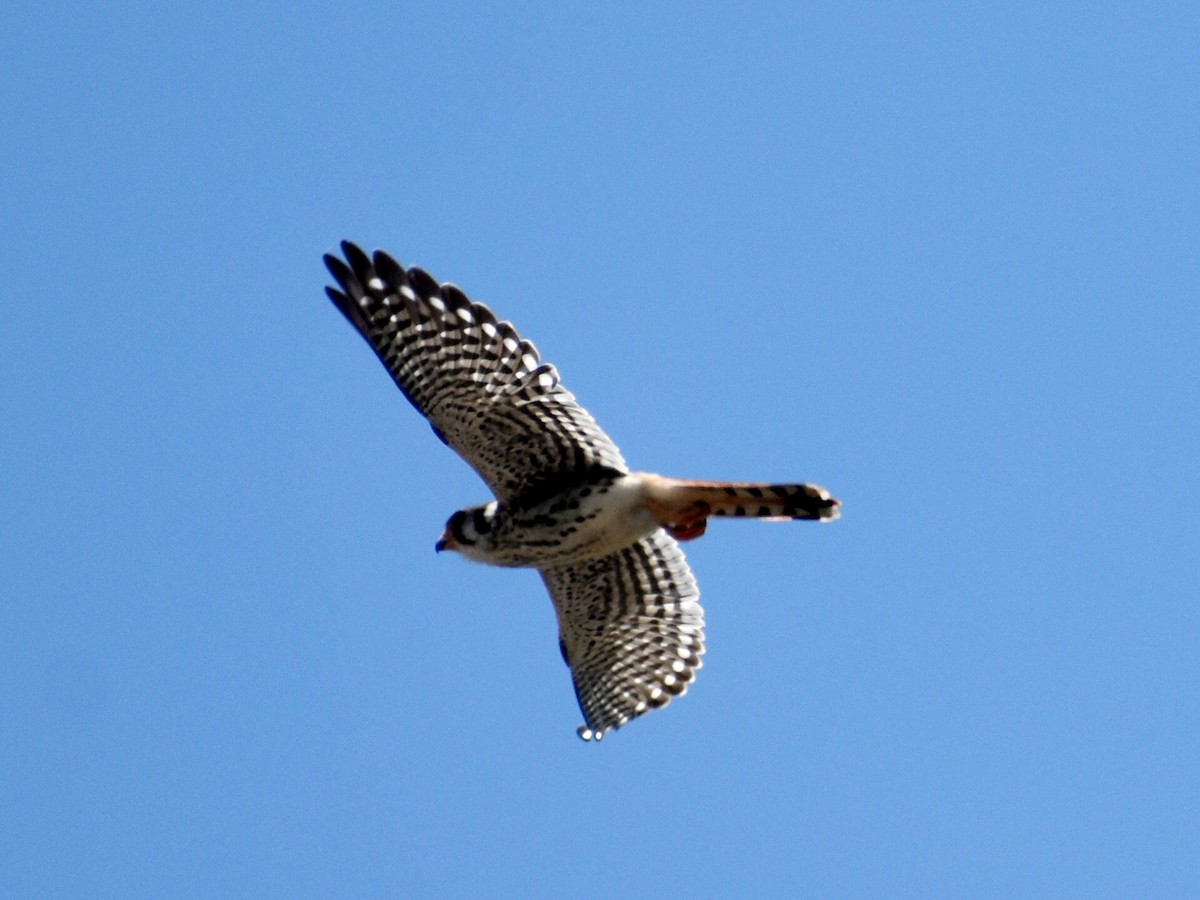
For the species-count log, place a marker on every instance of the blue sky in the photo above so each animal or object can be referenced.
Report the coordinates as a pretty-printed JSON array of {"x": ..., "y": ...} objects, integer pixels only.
[{"x": 940, "y": 260}]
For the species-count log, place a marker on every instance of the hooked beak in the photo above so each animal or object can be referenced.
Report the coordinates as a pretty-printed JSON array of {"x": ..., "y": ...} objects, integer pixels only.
[{"x": 446, "y": 543}]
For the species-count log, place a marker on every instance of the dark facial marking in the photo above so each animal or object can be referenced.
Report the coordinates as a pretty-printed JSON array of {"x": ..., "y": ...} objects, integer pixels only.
[{"x": 456, "y": 528}]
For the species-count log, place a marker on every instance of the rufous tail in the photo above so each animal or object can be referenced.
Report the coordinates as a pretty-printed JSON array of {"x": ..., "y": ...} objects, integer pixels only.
[{"x": 683, "y": 507}]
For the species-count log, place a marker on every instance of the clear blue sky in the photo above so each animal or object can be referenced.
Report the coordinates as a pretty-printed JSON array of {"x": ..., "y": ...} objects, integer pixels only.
[{"x": 940, "y": 259}]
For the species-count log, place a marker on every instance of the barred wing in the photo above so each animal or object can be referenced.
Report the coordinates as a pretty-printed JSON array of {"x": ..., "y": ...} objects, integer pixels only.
[
  {"x": 484, "y": 390},
  {"x": 631, "y": 629}
]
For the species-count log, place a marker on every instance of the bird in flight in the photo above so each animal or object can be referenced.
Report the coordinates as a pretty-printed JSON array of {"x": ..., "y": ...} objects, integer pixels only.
[{"x": 603, "y": 538}]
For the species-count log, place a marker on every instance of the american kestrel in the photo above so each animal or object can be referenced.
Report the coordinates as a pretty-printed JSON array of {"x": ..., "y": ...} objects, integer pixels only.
[{"x": 604, "y": 539}]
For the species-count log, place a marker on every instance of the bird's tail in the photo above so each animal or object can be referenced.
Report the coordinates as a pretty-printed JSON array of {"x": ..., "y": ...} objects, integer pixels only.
[
  {"x": 761, "y": 501},
  {"x": 682, "y": 506}
]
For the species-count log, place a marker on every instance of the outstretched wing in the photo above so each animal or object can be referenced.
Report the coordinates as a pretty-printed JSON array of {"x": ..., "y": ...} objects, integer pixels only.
[
  {"x": 483, "y": 389},
  {"x": 631, "y": 629}
]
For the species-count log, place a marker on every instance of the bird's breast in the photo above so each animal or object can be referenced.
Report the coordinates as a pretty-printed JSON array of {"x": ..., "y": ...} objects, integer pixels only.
[{"x": 586, "y": 521}]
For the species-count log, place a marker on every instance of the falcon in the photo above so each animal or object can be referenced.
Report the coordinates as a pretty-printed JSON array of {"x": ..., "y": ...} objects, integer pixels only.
[{"x": 603, "y": 538}]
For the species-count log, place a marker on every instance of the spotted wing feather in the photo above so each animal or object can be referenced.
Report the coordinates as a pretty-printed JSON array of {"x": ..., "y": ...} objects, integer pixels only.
[
  {"x": 482, "y": 387},
  {"x": 631, "y": 628}
]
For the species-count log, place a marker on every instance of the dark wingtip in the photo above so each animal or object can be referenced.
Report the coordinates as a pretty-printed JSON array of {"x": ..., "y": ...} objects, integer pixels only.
[
  {"x": 349, "y": 309},
  {"x": 340, "y": 300},
  {"x": 389, "y": 269},
  {"x": 423, "y": 283},
  {"x": 339, "y": 270},
  {"x": 358, "y": 260}
]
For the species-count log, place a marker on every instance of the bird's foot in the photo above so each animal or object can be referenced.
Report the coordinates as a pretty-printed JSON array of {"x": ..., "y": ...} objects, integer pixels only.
[{"x": 689, "y": 523}]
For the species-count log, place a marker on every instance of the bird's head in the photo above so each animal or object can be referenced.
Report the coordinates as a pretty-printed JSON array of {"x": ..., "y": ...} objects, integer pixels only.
[{"x": 470, "y": 531}]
